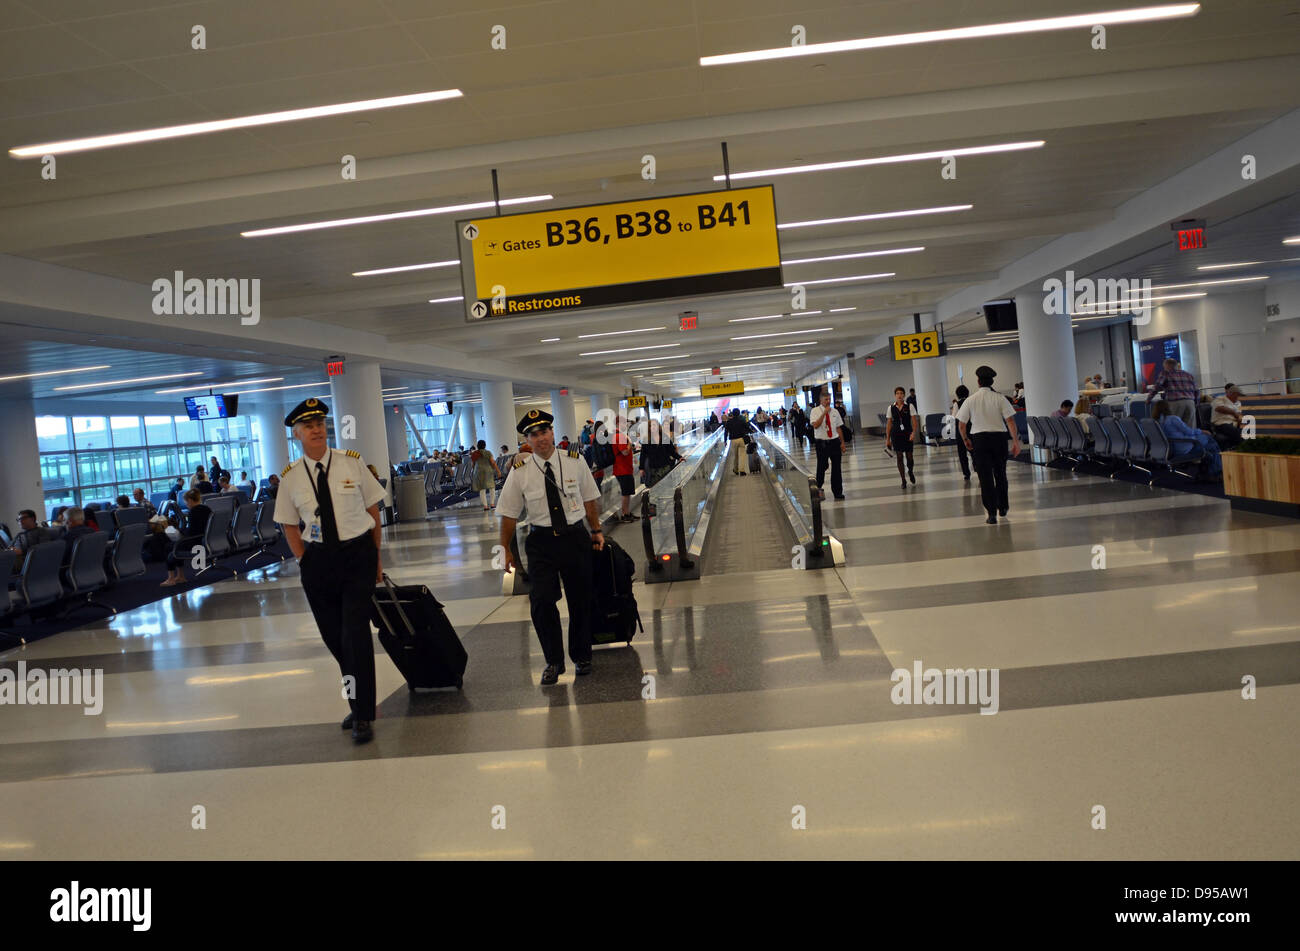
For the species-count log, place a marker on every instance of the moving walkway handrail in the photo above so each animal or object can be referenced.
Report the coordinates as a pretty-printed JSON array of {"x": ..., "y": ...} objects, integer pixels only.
[{"x": 679, "y": 529}]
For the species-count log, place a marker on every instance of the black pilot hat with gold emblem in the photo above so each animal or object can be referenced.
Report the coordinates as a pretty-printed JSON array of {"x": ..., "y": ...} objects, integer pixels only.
[
  {"x": 534, "y": 419},
  {"x": 310, "y": 408}
]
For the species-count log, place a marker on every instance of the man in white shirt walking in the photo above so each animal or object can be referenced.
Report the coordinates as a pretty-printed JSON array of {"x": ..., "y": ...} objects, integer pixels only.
[
  {"x": 984, "y": 421},
  {"x": 828, "y": 431}
]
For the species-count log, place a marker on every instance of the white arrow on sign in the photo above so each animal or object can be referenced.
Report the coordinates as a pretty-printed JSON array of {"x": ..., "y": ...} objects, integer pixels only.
[
  {"x": 479, "y": 309},
  {"x": 470, "y": 231}
]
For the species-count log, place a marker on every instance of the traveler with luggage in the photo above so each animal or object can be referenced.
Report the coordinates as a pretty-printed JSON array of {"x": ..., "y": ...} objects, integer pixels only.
[
  {"x": 560, "y": 495},
  {"x": 337, "y": 499}
]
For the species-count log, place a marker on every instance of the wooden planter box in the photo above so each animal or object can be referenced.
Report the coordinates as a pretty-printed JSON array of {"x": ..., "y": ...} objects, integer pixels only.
[{"x": 1265, "y": 478}]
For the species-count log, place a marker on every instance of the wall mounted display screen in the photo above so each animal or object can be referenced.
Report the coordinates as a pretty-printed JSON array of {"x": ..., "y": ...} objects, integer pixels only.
[
  {"x": 1153, "y": 352},
  {"x": 212, "y": 407},
  {"x": 438, "y": 409}
]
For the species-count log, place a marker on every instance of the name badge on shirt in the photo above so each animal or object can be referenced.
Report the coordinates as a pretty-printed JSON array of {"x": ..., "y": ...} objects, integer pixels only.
[{"x": 315, "y": 532}]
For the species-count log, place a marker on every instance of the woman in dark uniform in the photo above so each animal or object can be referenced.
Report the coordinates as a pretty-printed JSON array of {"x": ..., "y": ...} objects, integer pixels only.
[{"x": 901, "y": 432}]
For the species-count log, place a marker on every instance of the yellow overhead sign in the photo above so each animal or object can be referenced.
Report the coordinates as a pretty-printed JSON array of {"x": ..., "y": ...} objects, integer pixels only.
[
  {"x": 734, "y": 388},
  {"x": 916, "y": 346},
  {"x": 566, "y": 259},
  {"x": 791, "y": 391},
  {"x": 634, "y": 402},
  {"x": 667, "y": 404}
]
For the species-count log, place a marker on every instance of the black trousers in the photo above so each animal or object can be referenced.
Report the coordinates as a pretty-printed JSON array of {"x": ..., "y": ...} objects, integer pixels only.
[
  {"x": 551, "y": 559},
  {"x": 339, "y": 583},
  {"x": 828, "y": 453},
  {"x": 990, "y": 458},
  {"x": 962, "y": 457},
  {"x": 1227, "y": 435}
]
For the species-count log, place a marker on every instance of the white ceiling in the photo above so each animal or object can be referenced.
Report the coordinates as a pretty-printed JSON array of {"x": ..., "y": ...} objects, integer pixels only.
[{"x": 569, "y": 108}]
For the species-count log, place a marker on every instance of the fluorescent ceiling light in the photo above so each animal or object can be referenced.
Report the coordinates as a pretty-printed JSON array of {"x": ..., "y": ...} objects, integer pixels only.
[
  {"x": 1141, "y": 300},
  {"x": 393, "y": 389},
  {"x": 859, "y": 254},
  {"x": 1295, "y": 240},
  {"x": 272, "y": 389},
  {"x": 773, "y": 346},
  {"x": 760, "y": 356},
  {"x": 885, "y": 159},
  {"x": 444, "y": 300},
  {"x": 875, "y": 216},
  {"x": 601, "y": 353},
  {"x": 799, "y": 313},
  {"x": 139, "y": 379},
  {"x": 1010, "y": 28},
  {"x": 213, "y": 386},
  {"x": 840, "y": 280},
  {"x": 1225, "y": 280},
  {"x": 1215, "y": 267},
  {"x": 406, "y": 267},
  {"x": 550, "y": 340},
  {"x": 224, "y": 125},
  {"x": 840, "y": 310},
  {"x": 615, "y": 333},
  {"x": 32, "y": 376},
  {"x": 392, "y": 216},
  {"x": 615, "y": 363},
  {"x": 787, "y": 333}
]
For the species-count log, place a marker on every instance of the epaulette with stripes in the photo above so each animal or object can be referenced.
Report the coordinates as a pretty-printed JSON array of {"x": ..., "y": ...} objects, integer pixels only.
[
  {"x": 285, "y": 471},
  {"x": 575, "y": 454},
  {"x": 354, "y": 454},
  {"x": 520, "y": 462}
]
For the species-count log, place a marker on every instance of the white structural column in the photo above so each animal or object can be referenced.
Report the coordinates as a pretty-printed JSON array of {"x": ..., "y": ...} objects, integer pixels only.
[
  {"x": 930, "y": 379},
  {"x": 273, "y": 438},
  {"x": 395, "y": 433},
  {"x": 562, "y": 410},
  {"x": 465, "y": 428},
  {"x": 499, "y": 411},
  {"x": 357, "y": 405},
  {"x": 1046, "y": 357},
  {"x": 20, "y": 472}
]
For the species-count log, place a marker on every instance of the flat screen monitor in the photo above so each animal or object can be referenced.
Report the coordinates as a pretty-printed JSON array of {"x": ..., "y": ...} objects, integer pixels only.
[
  {"x": 1000, "y": 315},
  {"x": 217, "y": 406},
  {"x": 438, "y": 409}
]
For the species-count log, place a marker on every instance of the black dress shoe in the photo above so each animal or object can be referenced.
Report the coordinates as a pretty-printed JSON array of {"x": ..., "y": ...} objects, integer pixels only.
[
  {"x": 839, "y": 498},
  {"x": 991, "y": 520},
  {"x": 911, "y": 476},
  {"x": 361, "y": 731},
  {"x": 1002, "y": 512},
  {"x": 551, "y": 674},
  {"x": 347, "y": 721},
  {"x": 583, "y": 668}
]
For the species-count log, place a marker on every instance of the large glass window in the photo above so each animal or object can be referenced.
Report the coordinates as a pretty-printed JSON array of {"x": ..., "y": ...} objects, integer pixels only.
[{"x": 88, "y": 458}]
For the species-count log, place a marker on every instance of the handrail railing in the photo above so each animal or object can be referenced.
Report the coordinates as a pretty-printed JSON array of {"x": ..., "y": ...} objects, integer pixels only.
[{"x": 801, "y": 501}]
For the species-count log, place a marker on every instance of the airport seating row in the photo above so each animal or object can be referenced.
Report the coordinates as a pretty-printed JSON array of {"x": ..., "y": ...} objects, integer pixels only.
[{"x": 1121, "y": 444}]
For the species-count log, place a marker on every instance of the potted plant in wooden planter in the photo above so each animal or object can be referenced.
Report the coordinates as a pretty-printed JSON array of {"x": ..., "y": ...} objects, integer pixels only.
[{"x": 1263, "y": 474}]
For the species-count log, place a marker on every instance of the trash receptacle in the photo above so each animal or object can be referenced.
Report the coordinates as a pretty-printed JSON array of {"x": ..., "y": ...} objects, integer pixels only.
[{"x": 410, "y": 498}]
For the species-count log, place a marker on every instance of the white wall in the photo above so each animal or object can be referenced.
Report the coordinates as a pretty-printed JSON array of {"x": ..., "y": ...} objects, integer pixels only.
[
  {"x": 1089, "y": 356},
  {"x": 1005, "y": 361}
]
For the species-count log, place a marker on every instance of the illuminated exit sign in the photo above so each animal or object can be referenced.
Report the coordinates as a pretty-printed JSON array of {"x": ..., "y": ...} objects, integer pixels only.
[
  {"x": 334, "y": 367},
  {"x": 1190, "y": 234},
  {"x": 690, "y": 320}
]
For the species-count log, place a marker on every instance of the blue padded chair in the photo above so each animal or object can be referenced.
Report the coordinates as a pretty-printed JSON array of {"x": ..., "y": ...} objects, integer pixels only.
[
  {"x": 1118, "y": 445},
  {"x": 1062, "y": 439},
  {"x": 215, "y": 538},
  {"x": 1036, "y": 428},
  {"x": 241, "y": 529},
  {"x": 1162, "y": 451},
  {"x": 128, "y": 551},
  {"x": 267, "y": 530},
  {"x": 1100, "y": 440},
  {"x": 39, "y": 584},
  {"x": 132, "y": 516},
  {"x": 1078, "y": 438},
  {"x": 1136, "y": 444},
  {"x": 1138, "y": 409},
  {"x": 85, "y": 572},
  {"x": 1101, "y": 410}
]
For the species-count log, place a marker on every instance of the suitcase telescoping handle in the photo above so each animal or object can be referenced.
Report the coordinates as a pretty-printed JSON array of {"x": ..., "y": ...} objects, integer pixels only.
[{"x": 401, "y": 612}]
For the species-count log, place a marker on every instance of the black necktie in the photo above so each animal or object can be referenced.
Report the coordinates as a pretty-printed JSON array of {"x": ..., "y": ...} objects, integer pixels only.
[
  {"x": 559, "y": 521},
  {"x": 328, "y": 528}
]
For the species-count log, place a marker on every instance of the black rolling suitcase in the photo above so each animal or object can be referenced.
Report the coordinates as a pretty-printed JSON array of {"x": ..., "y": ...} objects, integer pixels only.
[
  {"x": 614, "y": 615},
  {"x": 415, "y": 632}
]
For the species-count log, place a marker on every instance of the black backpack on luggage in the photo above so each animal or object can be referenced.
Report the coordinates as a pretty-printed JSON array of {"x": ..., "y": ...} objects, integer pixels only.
[
  {"x": 415, "y": 631},
  {"x": 614, "y": 615}
]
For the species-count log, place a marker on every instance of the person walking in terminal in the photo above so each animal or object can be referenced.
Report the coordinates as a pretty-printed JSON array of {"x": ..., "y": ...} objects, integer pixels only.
[
  {"x": 621, "y": 442},
  {"x": 900, "y": 433},
  {"x": 337, "y": 499},
  {"x": 827, "y": 426},
  {"x": 984, "y": 421},
  {"x": 1183, "y": 439},
  {"x": 486, "y": 474},
  {"x": 560, "y": 494},
  {"x": 1179, "y": 388},
  {"x": 737, "y": 429},
  {"x": 961, "y": 393}
]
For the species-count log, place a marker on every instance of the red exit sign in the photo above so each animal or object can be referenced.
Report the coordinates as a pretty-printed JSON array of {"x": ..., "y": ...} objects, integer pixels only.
[
  {"x": 688, "y": 321},
  {"x": 1191, "y": 234},
  {"x": 334, "y": 368}
]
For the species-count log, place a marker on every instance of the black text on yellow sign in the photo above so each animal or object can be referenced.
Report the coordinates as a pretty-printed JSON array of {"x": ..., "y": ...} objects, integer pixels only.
[
  {"x": 598, "y": 255},
  {"x": 916, "y": 346},
  {"x": 734, "y": 388},
  {"x": 791, "y": 391},
  {"x": 634, "y": 402},
  {"x": 667, "y": 404}
]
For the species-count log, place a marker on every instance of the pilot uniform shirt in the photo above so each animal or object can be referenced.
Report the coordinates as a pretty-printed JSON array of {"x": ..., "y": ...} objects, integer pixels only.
[
  {"x": 526, "y": 488},
  {"x": 825, "y": 417},
  {"x": 985, "y": 412},
  {"x": 353, "y": 489}
]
